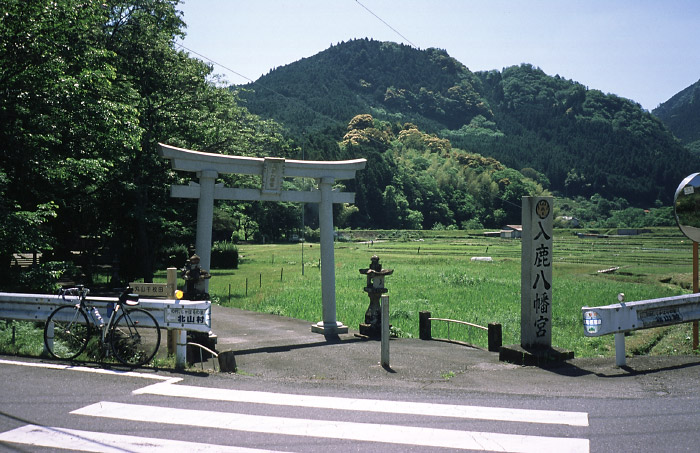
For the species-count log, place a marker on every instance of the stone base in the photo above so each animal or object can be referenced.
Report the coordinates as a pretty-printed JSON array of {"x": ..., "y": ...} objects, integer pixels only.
[
  {"x": 227, "y": 362},
  {"x": 370, "y": 331},
  {"x": 329, "y": 330},
  {"x": 534, "y": 356}
]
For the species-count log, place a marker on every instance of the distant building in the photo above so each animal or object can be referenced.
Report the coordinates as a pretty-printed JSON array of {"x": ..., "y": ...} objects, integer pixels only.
[
  {"x": 512, "y": 231},
  {"x": 569, "y": 221}
]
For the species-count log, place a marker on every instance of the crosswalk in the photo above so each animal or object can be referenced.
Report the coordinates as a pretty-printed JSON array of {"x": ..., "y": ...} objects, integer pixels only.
[{"x": 334, "y": 429}]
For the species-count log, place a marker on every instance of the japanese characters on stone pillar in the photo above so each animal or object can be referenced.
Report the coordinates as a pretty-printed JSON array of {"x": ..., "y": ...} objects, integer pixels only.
[{"x": 536, "y": 270}]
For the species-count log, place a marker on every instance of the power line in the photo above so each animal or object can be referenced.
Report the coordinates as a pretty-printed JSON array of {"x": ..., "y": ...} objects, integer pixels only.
[
  {"x": 385, "y": 23},
  {"x": 214, "y": 62}
]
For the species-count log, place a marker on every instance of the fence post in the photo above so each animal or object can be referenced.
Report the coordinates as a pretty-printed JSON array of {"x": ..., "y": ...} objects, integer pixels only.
[
  {"x": 170, "y": 288},
  {"x": 385, "y": 330},
  {"x": 424, "y": 327},
  {"x": 171, "y": 284},
  {"x": 495, "y": 337}
]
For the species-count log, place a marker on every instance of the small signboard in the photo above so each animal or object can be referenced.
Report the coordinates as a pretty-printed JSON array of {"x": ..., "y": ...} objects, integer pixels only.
[
  {"x": 273, "y": 174},
  {"x": 188, "y": 315},
  {"x": 591, "y": 322},
  {"x": 151, "y": 289}
]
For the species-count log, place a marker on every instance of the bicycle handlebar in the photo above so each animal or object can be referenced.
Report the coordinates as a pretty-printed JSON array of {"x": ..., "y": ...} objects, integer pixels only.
[{"x": 79, "y": 291}]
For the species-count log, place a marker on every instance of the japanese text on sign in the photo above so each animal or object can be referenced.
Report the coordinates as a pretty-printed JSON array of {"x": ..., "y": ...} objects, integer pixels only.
[
  {"x": 187, "y": 316},
  {"x": 536, "y": 288}
]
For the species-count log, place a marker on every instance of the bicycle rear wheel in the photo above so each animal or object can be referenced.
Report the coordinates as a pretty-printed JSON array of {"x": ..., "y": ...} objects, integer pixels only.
[
  {"x": 135, "y": 337},
  {"x": 66, "y": 332}
]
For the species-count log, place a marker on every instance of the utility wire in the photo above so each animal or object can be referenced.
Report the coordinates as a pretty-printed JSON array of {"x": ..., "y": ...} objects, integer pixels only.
[
  {"x": 247, "y": 78},
  {"x": 385, "y": 23},
  {"x": 214, "y": 62}
]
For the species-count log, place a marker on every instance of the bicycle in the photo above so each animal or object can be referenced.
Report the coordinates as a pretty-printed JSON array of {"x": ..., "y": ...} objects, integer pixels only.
[{"x": 131, "y": 334}]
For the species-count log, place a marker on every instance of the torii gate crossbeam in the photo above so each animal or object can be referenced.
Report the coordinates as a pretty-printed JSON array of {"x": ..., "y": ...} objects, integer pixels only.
[{"x": 272, "y": 171}]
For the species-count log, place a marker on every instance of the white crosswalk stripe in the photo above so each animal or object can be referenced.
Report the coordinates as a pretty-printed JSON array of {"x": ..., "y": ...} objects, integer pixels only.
[
  {"x": 331, "y": 428},
  {"x": 395, "y": 434},
  {"x": 72, "y": 439},
  {"x": 364, "y": 405}
]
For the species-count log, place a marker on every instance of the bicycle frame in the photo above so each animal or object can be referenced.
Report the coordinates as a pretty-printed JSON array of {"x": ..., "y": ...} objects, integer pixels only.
[{"x": 122, "y": 334}]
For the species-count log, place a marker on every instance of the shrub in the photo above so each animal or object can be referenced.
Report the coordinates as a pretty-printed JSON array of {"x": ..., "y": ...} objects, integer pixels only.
[
  {"x": 224, "y": 255},
  {"x": 175, "y": 256}
]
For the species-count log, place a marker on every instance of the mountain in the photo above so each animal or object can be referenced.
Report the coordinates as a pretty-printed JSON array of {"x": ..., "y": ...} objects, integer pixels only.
[
  {"x": 681, "y": 114},
  {"x": 584, "y": 141}
]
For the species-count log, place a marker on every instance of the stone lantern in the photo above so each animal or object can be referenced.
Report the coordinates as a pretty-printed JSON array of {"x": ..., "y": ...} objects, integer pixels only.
[{"x": 375, "y": 288}]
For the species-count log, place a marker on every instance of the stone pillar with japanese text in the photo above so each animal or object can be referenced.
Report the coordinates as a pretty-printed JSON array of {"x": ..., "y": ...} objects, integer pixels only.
[{"x": 536, "y": 269}]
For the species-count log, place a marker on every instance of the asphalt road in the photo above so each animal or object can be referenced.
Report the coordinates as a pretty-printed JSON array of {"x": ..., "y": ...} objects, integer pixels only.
[
  {"x": 197, "y": 410},
  {"x": 297, "y": 391}
]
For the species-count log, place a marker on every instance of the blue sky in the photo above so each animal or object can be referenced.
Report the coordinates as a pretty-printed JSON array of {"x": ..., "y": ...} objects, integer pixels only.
[{"x": 642, "y": 50}]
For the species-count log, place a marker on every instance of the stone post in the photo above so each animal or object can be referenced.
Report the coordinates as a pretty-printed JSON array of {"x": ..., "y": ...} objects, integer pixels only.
[
  {"x": 536, "y": 270},
  {"x": 329, "y": 325},
  {"x": 205, "y": 215}
]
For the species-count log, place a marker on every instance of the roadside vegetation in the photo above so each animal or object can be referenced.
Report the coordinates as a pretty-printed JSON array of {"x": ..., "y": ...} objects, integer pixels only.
[{"x": 433, "y": 271}]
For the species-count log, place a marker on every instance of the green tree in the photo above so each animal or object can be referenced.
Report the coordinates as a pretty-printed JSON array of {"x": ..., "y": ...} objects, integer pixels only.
[{"x": 59, "y": 116}]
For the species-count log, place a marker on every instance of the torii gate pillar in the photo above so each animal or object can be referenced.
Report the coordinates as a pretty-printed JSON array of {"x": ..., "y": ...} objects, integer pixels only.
[
  {"x": 205, "y": 220},
  {"x": 271, "y": 171},
  {"x": 329, "y": 325}
]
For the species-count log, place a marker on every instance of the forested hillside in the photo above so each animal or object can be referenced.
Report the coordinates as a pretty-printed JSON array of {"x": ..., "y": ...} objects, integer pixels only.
[
  {"x": 681, "y": 114},
  {"x": 584, "y": 141},
  {"x": 90, "y": 88}
]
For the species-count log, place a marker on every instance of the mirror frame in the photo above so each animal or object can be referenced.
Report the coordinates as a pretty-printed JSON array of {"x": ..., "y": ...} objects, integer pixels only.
[{"x": 686, "y": 206}]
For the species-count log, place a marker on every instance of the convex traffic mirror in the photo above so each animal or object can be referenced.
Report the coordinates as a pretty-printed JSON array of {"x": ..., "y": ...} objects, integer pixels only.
[{"x": 686, "y": 205}]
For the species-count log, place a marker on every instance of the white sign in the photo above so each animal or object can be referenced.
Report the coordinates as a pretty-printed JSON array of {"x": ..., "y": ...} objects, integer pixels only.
[
  {"x": 188, "y": 318},
  {"x": 641, "y": 314}
]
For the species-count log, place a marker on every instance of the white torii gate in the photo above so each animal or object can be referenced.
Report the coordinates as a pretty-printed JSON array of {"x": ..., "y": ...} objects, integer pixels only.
[{"x": 272, "y": 171}]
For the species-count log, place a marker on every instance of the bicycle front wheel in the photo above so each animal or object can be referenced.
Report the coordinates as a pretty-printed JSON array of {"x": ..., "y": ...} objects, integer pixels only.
[
  {"x": 135, "y": 337},
  {"x": 66, "y": 332}
]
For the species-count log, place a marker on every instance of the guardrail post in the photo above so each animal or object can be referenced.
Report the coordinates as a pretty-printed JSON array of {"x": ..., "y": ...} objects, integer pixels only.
[
  {"x": 424, "y": 327},
  {"x": 180, "y": 348},
  {"x": 495, "y": 334},
  {"x": 620, "y": 359}
]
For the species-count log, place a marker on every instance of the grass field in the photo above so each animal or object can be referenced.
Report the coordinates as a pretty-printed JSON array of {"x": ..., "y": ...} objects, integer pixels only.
[{"x": 433, "y": 271}]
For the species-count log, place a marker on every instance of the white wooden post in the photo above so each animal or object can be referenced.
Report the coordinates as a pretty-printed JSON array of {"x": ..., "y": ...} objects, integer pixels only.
[{"x": 171, "y": 282}]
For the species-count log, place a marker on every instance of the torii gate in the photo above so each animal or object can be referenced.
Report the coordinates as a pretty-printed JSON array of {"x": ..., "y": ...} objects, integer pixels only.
[{"x": 272, "y": 171}]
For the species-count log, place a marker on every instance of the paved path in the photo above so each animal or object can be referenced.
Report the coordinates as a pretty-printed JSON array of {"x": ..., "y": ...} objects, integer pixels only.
[{"x": 279, "y": 348}]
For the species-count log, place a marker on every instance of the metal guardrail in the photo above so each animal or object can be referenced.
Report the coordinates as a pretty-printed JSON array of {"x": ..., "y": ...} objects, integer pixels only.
[
  {"x": 494, "y": 330},
  {"x": 464, "y": 323},
  {"x": 175, "y": 315},
  {"x": 626, "y": 317}
]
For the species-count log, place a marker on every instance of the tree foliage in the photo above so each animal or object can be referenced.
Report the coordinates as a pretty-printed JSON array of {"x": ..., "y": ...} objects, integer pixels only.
[
  {"x": 582, "y": 141},
  {"x": 89, "y": 89}
]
